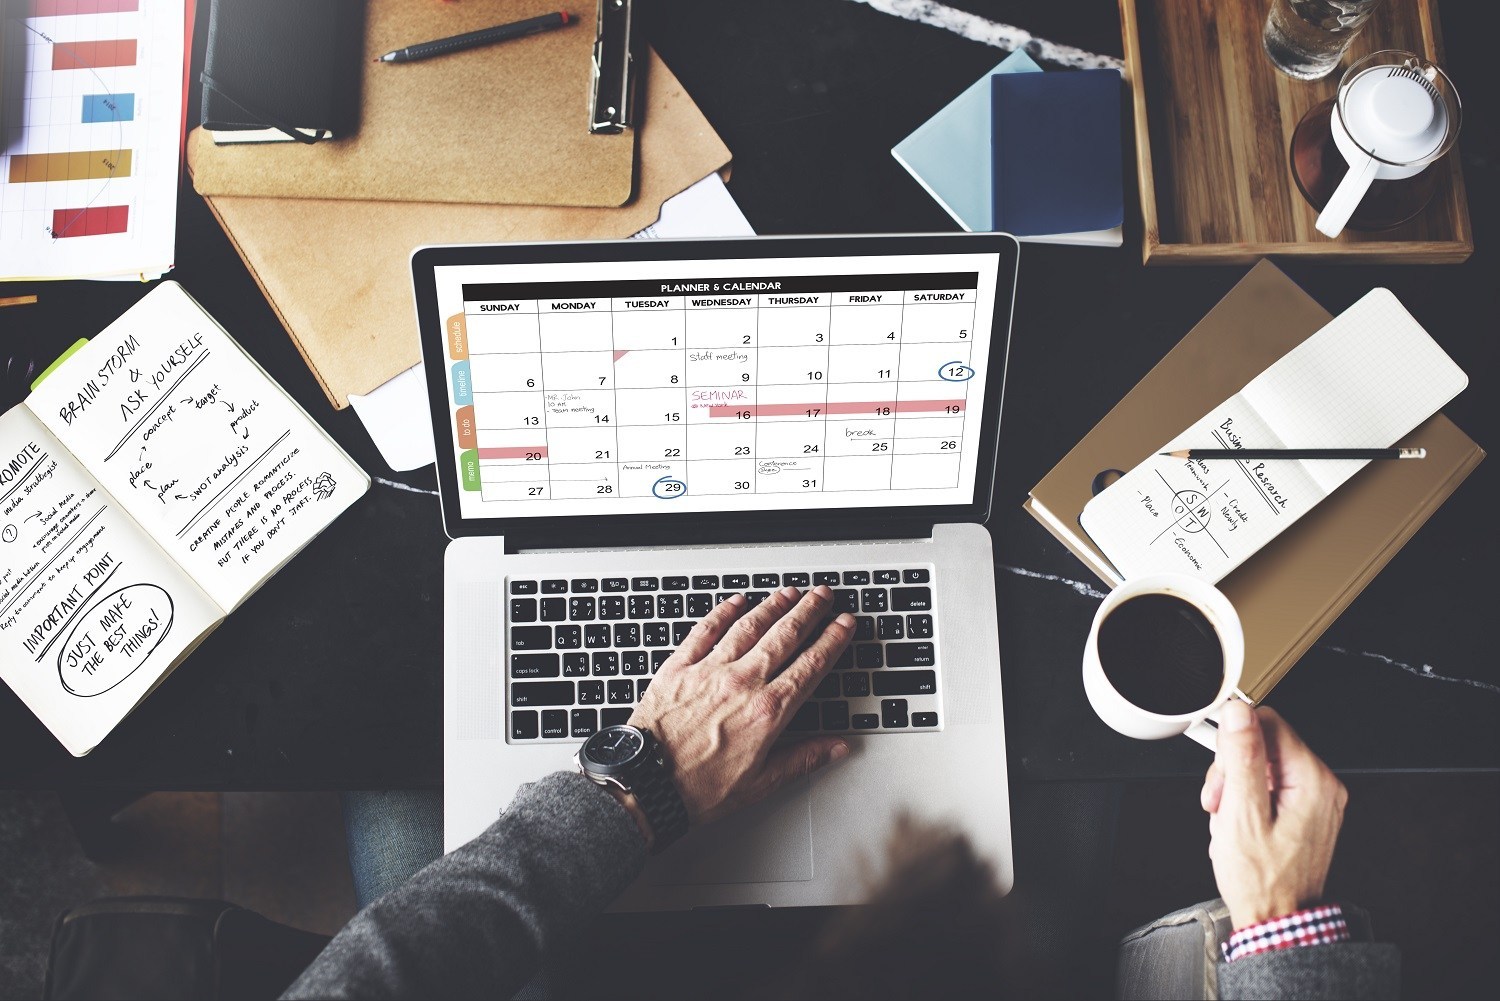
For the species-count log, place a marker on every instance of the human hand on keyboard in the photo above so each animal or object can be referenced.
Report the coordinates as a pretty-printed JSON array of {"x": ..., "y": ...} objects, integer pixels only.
[{"x": 720, "y": 702}]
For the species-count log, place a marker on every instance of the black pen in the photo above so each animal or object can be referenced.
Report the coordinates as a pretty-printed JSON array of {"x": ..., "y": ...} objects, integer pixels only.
[
  {"x": 484, "y": 36},
  {"x": 1298, "y": 453}
]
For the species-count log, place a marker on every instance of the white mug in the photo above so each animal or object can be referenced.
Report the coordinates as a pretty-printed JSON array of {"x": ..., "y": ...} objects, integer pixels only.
[
  {"x": 1395, "y": 113},
  {"x": 1129, "y": 718}
]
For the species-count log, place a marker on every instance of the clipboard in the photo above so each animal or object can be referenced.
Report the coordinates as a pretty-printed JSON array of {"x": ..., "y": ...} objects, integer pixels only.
[
  {"x": 336, "y": 272},
  {"x": 504, "y": 124}
]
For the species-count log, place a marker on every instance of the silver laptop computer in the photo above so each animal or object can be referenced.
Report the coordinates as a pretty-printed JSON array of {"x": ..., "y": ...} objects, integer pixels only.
[{"x": 630, "y": 432}]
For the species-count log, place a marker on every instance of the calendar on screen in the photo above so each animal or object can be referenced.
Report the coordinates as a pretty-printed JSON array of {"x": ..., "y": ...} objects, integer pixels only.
[{"x": 758, "y": 384}]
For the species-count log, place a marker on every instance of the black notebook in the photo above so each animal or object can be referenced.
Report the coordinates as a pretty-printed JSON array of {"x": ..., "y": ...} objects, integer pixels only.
[{"x": 279, "y": 70}]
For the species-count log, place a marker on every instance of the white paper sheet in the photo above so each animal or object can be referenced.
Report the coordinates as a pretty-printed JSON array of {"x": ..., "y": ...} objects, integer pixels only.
[
  {"x": 397, "y": 419},
  {"x": 91, "y": 139},
  {"x": 704, "y": 209}
]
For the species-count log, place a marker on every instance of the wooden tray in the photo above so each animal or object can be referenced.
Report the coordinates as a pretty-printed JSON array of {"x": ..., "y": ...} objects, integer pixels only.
[{"x": 1213, "y": 126}]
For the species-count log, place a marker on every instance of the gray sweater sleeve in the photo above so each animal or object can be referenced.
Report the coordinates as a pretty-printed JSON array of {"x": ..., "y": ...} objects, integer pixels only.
[
  {"x": 477, "y": 921},
  {"x": 1356, "y": 970}
]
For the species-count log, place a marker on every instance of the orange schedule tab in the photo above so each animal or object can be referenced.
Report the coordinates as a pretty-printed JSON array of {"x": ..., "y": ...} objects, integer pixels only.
[
  {"x": 458, "y": 337},
  {"x": 84, "y": 165},
  {"x": 93, "y": 55}
]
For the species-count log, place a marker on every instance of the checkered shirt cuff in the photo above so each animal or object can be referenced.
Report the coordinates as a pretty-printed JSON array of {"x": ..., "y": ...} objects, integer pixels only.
[{"x": 1321, "y": 925}]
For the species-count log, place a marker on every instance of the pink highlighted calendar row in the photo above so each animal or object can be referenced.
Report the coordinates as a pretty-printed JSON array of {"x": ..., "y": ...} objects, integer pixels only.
[{"x": 722, "y": 405}]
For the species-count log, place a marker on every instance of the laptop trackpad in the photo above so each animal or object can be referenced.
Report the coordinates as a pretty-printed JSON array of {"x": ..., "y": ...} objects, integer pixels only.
[{"x": 770, "y": 842}]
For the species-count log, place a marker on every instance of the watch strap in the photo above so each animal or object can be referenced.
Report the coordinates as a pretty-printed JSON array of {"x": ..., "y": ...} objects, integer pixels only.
[{"x": 660, "y": 801}]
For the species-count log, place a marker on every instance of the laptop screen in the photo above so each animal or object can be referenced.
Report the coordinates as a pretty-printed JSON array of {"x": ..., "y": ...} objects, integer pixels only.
[{"x": 687, "y": 382}]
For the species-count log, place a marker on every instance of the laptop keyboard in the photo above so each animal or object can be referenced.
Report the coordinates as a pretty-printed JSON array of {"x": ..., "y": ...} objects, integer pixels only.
[{"x": 582, "y": 651}]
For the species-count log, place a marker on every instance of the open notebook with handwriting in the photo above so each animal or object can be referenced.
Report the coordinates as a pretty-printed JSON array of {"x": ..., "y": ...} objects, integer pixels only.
[
  {"x": 154, "y": 479},
  {"x": 1365, "y": 379}
]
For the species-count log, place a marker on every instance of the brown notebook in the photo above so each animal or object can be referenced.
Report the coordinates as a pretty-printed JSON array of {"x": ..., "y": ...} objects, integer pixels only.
[
  {"x": 1289, "y": 592},
  {"x": 337, "y": 273},
  {"x": 505, "y": 124}
]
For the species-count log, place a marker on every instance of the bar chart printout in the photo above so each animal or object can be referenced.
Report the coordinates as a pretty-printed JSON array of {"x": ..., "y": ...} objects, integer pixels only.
[
  {"x": 91, "y": 92},
  {"x": 838, "y": 390}
]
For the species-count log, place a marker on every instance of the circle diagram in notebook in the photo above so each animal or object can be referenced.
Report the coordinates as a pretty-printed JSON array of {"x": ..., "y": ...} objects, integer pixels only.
[{"x": 1193, "y": 514}]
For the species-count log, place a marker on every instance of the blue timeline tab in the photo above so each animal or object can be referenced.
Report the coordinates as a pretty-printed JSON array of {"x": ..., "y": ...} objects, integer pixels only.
[
  {"x": 463, "y": 384},
  {"x": 108, "y": 108}
]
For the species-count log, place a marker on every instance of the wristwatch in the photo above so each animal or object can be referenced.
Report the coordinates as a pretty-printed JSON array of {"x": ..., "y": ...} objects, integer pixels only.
[{"x": 631, "y": 760}]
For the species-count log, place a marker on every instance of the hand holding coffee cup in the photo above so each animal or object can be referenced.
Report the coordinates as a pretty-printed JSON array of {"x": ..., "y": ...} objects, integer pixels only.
[
  {"x": 1164, "y": 653},
  {"x": 1271, "y": 842}
]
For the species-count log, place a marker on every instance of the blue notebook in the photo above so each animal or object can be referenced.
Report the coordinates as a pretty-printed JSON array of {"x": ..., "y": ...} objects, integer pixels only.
[
  {"x": 1056, "y": 152},
  {"x": 949, "y": 155}
]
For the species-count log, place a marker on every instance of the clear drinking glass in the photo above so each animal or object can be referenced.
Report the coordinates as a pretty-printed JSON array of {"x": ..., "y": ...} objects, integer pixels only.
[{"x": 1306, "y": 38}]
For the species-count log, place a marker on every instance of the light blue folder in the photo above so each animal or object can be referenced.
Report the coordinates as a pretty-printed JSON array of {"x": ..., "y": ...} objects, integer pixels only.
[{"x": 950, "y": 153}]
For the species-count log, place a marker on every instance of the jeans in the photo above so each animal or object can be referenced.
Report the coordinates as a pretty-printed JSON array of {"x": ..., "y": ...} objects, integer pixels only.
[{"x": 391, "y": 835}]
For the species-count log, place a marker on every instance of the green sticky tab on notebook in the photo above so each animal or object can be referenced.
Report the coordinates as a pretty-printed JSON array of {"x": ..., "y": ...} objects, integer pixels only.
[
  {"x": 468, "y": 469},
  {"x": 60, "y": 359}
]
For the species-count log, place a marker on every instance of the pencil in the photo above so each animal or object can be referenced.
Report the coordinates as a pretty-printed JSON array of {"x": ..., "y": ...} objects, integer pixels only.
[
  {"x": 484, "y": 36},
  {"x": 1298, "y": 453}
]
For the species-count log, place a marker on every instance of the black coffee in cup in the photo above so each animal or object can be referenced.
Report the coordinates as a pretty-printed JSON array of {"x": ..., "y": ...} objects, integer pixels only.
[{"x": 1162, "y": 654}]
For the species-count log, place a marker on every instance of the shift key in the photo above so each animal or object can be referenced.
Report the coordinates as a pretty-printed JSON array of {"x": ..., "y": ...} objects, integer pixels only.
[
  {"x": 542, "y": 693},
  {"x": 910, "y": 655},
  {"x": 904, "y": 682}
]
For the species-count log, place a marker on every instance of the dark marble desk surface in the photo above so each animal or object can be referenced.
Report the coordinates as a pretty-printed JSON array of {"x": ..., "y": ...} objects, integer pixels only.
[{"x": 331, "y": 676}]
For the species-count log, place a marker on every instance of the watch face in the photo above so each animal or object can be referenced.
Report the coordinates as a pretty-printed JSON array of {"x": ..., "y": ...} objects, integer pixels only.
[{"x": 614, "y": 746}]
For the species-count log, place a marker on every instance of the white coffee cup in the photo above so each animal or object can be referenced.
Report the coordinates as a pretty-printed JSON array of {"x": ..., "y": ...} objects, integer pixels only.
[{"x": 1130, "y": 719}]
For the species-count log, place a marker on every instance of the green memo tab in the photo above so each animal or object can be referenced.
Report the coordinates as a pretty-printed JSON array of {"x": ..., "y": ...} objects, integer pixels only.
[
  {"x": 77, "y": 345},
  {"x": 468, "y": 465}
]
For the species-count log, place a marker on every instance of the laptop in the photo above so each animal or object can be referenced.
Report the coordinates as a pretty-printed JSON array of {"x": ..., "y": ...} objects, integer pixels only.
[{"x": 630, "y": 432}]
